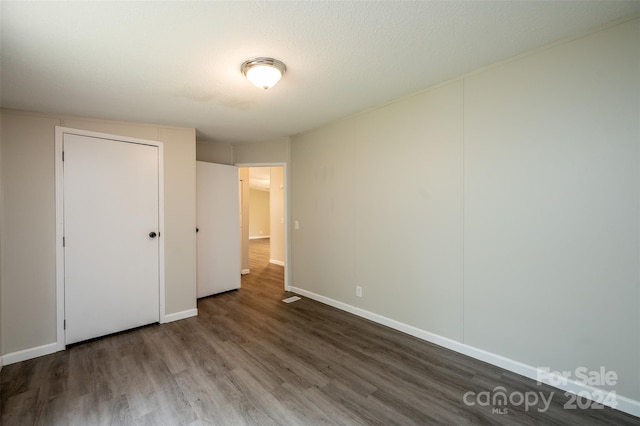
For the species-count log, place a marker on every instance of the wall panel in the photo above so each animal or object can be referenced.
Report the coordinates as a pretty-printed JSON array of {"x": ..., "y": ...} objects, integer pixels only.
[
  {"x": 500, "y": 210},
  {"x": 551, "y": 207}
]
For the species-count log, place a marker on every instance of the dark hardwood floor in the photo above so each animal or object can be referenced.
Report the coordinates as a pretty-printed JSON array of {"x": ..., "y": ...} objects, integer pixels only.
[{"x": 248, "y": 358}]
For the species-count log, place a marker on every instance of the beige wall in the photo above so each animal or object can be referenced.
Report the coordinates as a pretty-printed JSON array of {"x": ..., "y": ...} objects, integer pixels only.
[
  {"x": 214, "y": 152},
  {"x": 180, "y": 218},
  {"x": 259, "y": 213},
  {"x": 28, "y": 227},
  {"x": 28, "y": 238},
  {"x": 551, "y": 219},
  {"x": 276, "y": 206},
  {"x": 245, "y": 202},
  {"x": 499, "y": 210},
  {"x": 276, "y": 151}
]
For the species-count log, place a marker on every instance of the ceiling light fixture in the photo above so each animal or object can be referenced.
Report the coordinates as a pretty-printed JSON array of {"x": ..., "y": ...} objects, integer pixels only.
[{"x": 263, "y": 72}]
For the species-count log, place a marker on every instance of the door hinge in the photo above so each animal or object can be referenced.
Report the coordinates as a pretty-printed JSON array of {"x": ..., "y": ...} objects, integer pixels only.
[
  {"x": 63, "y": 242},
  {"x": 62, "y": 155},
  {"x": 64, "y": 324}
]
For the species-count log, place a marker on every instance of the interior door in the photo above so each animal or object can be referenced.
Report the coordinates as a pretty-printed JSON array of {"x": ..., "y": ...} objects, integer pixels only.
[
  {"x": 111, "y": 207},
  {"x": 218, "y": 225}
]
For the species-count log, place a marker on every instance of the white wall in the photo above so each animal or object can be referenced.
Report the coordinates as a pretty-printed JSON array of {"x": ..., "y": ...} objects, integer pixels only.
[
  {"x": 259, "y": 223},
  {"x": 28, "y": 227},
  {"x": 499, "y": 210}
]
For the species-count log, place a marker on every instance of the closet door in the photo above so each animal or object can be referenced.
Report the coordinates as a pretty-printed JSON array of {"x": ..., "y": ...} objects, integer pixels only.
[
  {"x": 219, "y": 227},
  {"x": 111, "y": 210}
]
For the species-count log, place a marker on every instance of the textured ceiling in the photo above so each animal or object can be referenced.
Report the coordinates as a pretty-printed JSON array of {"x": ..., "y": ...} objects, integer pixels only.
[{"x": 177, "y": 63}]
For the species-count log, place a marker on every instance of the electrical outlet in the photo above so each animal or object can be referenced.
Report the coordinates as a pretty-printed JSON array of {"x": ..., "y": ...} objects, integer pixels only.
[{"x": 358, "y": 291}]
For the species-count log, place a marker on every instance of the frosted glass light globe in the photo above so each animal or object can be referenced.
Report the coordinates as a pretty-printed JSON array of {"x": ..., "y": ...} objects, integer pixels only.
[{"x": 263, "y": 72}]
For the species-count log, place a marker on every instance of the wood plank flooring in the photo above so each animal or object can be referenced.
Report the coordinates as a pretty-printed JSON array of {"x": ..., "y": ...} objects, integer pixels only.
[{"x": 249, "y": 359}]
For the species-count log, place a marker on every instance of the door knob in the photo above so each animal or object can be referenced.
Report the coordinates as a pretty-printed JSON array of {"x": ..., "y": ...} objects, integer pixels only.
[{"x": 152, "y": 234}]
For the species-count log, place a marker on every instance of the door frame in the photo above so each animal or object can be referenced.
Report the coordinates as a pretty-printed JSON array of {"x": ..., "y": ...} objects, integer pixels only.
[
  {"x": 59, "y": 179},
  {"x": 287, "y": 259}
]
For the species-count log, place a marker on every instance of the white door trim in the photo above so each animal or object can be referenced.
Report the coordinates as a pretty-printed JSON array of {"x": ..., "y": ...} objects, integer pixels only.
[
  {"x": 59, "y": 178},
  {"x": 287, "y": 260}
]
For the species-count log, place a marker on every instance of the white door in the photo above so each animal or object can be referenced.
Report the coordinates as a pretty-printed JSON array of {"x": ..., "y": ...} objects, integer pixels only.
[
  {"x": 110, "y": 228},
  {"x": 218, "y": 224}
]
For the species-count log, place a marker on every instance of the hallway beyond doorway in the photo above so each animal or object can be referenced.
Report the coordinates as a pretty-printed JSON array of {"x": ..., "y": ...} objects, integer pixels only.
[
  {"x": 264, "y": 216},
  {"x": 264, "y": 275}
]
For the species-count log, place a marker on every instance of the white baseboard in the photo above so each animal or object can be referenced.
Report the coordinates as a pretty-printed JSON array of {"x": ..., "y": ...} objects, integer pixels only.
[
  {"x": 26, "y": 354},
  {"x": 276, "y": 262},
  {"x": 13, "y": 357},
  {"x": 622, "y": 403},
  {"x": 259, "y": 237},
  {"x": 179, "y": 315},
  {"x": 244, "y": 272}
]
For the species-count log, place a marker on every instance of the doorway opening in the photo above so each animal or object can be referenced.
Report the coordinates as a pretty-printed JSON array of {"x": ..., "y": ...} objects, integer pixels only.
[{"x": 263, "y": 230}]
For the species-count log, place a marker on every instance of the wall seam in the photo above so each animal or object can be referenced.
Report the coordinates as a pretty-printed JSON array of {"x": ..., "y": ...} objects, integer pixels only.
[
  {"x": 462, "y": 196},
  {"x": 2, "y": 251}
]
